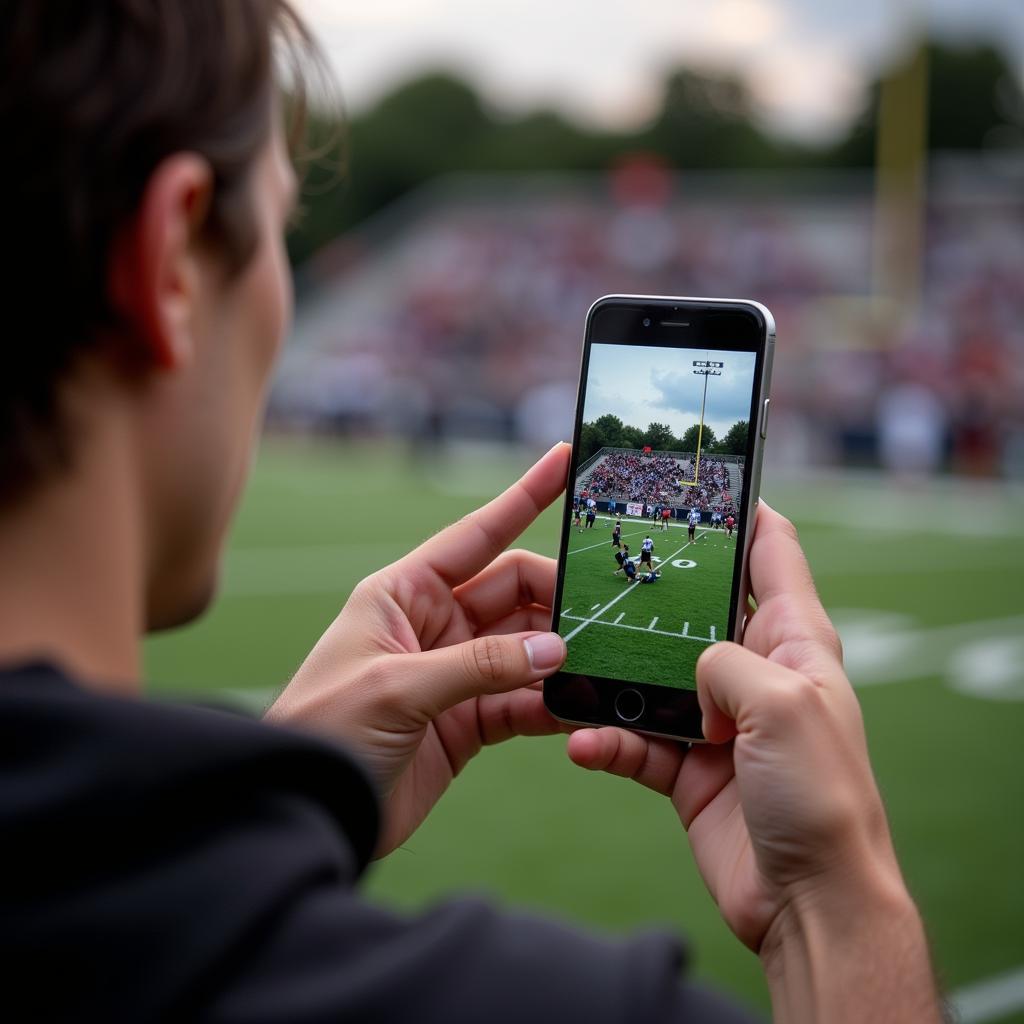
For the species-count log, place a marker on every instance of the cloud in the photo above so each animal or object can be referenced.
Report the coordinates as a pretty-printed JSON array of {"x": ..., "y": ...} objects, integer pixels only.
[
  {"x": 728, "y": 396},
  {"x": 633, "y": 386}
]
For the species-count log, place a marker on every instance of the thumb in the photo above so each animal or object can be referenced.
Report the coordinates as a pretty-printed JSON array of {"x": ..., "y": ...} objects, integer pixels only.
[{"x": 487, "y": 664}]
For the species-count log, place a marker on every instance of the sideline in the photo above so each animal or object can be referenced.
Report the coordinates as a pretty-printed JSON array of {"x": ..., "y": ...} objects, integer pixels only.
[{"x": 989, "y": 999}]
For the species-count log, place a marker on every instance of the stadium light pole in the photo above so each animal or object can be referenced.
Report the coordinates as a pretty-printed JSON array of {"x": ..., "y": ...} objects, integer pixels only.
[{"x": 704, "y": 368}]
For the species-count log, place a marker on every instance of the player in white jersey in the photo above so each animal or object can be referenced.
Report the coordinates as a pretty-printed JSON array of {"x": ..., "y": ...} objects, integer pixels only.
[
  {"x": 694, "y": 519},
  {"x": 646, "y": 550}
]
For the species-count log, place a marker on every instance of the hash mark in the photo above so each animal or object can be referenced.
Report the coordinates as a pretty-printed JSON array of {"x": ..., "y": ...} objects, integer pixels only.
[
  {"x": 593, "y": 606},
  {"x": 712, "y": 632},
  {"x": 619, "y": 619},
  {"x": 654, "y": 622},
  {"x": 686, "y": 628}
]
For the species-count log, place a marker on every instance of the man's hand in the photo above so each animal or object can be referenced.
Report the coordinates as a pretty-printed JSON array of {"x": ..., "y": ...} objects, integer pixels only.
[
  {"x": 439, "y": 654},
  {"x": 783, "y": 814}
]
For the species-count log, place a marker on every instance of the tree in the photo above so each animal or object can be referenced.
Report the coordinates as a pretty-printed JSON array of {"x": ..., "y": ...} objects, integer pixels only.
[
  {"x": 975, "y": 101},
  {"x": 688, "y": 442},
  {"x": 660, "y": 437},
  {"x": 632, "y": 437},
  {"x": 611, "y": 427},
  {"x": 735, "y": 440},
  {"x": 606, "y": 431}
]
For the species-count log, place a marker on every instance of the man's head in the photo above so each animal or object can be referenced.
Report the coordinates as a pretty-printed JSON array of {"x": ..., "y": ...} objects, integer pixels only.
[{"x": 146, "y": 186}]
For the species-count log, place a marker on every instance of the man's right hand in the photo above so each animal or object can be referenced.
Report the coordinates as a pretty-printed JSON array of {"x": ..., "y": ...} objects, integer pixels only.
[{"x": 782, "y": 810}]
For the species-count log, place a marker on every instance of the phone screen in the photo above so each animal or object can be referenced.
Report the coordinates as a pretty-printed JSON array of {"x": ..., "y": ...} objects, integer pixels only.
[{"x": 654, "y": 545}]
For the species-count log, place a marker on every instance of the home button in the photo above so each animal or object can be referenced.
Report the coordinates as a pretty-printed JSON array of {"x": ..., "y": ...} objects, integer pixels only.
[{"x": 629, "y": 705}]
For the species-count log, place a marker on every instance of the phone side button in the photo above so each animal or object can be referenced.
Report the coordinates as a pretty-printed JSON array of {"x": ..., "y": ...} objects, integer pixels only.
[
  {"x": 764, "y": 419},
  {"x": 629, "y": 705}
]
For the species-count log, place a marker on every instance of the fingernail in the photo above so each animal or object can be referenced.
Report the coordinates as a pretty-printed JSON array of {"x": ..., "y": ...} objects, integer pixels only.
[{"x": 545, "y": 651}]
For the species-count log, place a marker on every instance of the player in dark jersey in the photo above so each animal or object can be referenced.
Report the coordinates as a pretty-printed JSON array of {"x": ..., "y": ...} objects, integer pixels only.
[
  {"x": 621, "y": 557},
  {"x": 629, "y": 568},
  {"x": 591, "y": 516},
  {"x": 617, "y": 535},
  {"x": 649, "y": 577},
  {"x": 576, "y": 518}
]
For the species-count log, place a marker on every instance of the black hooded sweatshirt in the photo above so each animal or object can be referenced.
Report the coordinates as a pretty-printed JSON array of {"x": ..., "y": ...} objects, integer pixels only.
[{"x": 174, "y": 863}]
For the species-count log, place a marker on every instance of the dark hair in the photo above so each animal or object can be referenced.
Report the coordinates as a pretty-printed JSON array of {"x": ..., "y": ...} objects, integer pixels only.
[{"x": 93, "y": 95}]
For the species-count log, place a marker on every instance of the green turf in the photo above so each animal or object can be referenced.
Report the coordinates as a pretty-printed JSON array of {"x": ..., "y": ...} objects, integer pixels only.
[
  {"x": 655, "y": 632},
  {"x": 527, "y": 827}
]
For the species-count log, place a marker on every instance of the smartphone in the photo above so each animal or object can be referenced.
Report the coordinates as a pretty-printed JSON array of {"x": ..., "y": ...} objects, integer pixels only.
[{"x": 671, "y": 418}]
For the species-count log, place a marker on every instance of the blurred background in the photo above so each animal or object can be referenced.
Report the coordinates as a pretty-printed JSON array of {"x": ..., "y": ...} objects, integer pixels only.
[{"x": 857, "y": 168}]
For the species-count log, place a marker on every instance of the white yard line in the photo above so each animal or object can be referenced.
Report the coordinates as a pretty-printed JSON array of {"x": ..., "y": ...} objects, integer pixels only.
[
  {"x": 686, "y": 629},
  {"x": 642, "y": 629},
  {"x": 654, "y": 621},
  {"x": 618, "y": 597},
  {"x": 604, "y": 543},
  {"x": 990, "y": 999},
  {"x": 712, "y": 632},
  {"x": 593, "y": 606},
  {"x": 619, "y": 619}
]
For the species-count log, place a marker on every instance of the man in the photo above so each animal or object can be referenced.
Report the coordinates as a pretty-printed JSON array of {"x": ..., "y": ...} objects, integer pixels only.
[
  {"x": 666, "y": 514},
  {"x": 629, "y": 568},
  {"x": 176, "y": 863},
  {"x": 692, "y": 520},
  {"x": 617, "y": 534},
  {"x": 577, "y": 521},
  {"x": 591, "y": 516},
  {"x": 621, "y": 557},
  {"x": 730, "y": 522},
  {"x": 646, "y": 550}
]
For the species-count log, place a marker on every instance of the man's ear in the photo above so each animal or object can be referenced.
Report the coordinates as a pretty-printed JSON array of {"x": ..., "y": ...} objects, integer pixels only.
[{"x": 154, "y": 270}]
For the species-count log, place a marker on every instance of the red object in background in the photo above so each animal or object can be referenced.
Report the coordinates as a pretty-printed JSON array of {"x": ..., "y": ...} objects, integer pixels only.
[
  {"x": 647, "y": 449},
  {"x": 642, "y": 179}
]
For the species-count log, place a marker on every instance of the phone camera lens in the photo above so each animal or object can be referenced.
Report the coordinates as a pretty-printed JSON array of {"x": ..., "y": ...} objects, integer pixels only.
[{"x": 647, "y": 321}]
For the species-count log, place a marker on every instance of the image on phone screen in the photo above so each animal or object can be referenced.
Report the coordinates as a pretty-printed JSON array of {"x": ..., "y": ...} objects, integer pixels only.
[{"x": 654, "y": 540}]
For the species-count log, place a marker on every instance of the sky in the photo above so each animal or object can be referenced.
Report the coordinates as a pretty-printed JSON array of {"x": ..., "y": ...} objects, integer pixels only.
[
  {"x": 658, "y": 385},
  {"x": 807, "y": 61}
]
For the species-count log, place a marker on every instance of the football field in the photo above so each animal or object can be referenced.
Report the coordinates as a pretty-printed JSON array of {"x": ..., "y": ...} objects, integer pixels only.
[
  {"x": 645, "y": 632},
  {"x": 926, "y": 584}
]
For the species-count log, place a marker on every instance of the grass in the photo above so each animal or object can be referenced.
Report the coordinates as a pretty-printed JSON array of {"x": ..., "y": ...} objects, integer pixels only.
[
  {"x": 900, "y": 570},
  {"x": 655, "y": 632}
]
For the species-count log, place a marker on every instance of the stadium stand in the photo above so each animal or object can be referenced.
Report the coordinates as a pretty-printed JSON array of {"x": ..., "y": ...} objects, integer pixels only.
[
  {"x": 459, "y": 311},
  {"x": 628, "y": 475}
]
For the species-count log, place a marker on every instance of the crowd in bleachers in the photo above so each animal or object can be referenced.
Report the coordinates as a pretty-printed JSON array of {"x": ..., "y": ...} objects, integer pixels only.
[
  {"x": 659, "y": 478},
  {"x": 467, "y": 320},
  {"x": 636, "y": 477}
]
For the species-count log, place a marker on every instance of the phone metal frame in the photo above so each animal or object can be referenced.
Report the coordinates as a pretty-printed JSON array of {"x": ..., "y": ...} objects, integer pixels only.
[{"x": 748, "y": 510}]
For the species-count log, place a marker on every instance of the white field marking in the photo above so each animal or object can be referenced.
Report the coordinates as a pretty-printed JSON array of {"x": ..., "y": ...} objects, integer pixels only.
[
  {"x": 886, "y": 647},
  {"x": 615, "y": 599},
  {"x": 990, "y": 999},
  {"x": 712, "y": 632},
  {"x": 607, "y": 543},
  {"x": 654, "y": 622},
  {"x": 619, "y": 619},
  {"x": 992, "y": 668},
  {"x": 642, "y": 629},
  {"x": 686, "y": 629},
  {"x": 593, "y": 606},
  {"x": 567, "y": 610}
]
